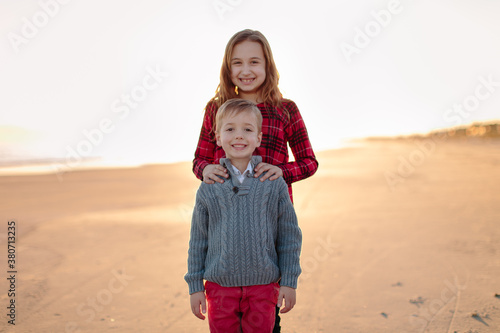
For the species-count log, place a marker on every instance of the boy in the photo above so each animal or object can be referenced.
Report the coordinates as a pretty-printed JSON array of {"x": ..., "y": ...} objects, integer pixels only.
[{"x": 244, "y": 234}]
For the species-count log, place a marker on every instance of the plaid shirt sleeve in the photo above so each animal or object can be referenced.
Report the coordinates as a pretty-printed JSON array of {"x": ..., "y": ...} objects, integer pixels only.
[
  {"x": 205, "y": 151},
  {"x": 305, "y": 164}
]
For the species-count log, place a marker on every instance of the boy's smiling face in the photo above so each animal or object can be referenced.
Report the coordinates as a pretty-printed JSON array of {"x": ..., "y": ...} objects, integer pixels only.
[{"x": 239, "y": 136}]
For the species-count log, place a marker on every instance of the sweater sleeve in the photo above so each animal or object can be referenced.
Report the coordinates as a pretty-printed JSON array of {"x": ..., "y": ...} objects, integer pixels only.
[
  {"x": 305, "y": 164},
  {"x": 198, "y": 245},
  {"x": 205, "y": 150},
  {"x": 289, "y": 240}
]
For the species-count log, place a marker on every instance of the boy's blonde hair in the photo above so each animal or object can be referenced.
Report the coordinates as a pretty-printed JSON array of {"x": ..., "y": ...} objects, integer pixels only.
[{"x": 235, "y": 106}]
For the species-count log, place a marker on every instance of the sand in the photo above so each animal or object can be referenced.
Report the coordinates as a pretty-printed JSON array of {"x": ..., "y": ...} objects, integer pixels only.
[{"x": 399, "y": 236}]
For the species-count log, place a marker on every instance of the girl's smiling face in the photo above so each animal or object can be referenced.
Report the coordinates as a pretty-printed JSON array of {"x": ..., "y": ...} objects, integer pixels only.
[{"x": 248, "y": 69}]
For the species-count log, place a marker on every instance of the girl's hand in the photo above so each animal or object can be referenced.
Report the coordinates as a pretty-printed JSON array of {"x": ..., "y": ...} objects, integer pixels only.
[
  {"x": 211, "y": 172},
  {"x": 197, "y": 300},
  {"x": 288, "y": 294},
  {"x": 273, "y": 172}
]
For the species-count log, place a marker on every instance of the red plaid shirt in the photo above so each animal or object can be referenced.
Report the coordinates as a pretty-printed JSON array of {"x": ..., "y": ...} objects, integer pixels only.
[{"x": 277, "y": 131}]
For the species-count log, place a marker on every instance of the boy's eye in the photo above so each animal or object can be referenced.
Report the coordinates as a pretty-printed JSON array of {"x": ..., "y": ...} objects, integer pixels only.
[{"x": 248, "y": 129}]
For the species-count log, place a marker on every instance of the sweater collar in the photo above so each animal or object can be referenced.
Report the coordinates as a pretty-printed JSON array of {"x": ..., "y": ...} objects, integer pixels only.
[
  {"x": 243, "y": 188},
  {"x": 225, "y": 162}
]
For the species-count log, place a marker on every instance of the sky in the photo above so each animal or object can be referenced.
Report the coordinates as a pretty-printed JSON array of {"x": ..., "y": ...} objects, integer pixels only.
[{"x": 128, "y": 80}]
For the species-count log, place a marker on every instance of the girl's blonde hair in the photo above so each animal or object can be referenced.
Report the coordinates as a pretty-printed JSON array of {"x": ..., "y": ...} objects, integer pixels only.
[{"x": 269, "y": 91}]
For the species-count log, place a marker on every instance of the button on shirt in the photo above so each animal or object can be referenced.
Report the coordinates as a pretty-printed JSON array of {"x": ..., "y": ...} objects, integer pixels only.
[{"x": 241, "y": 176}]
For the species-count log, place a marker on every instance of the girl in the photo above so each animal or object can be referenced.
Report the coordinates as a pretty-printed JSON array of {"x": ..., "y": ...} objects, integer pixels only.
[{"x": 248, "y": 71}]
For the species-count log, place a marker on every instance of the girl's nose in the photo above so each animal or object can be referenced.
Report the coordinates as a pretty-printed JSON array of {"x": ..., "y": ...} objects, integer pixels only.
[{"x": 245, "y": 69}]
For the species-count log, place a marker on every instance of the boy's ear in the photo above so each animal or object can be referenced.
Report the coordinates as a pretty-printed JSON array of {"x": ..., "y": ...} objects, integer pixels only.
[
  {"x": 259, "y": 138},
  {"x": 217, "y": 137}
]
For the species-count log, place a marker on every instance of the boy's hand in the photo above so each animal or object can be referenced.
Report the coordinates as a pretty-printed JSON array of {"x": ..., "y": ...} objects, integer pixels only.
[
  {"x": 273, "y": 172},
  {"x": 289, "y": 295},
  {"x": 198, "y": 299},
  {"x": 211, "y": 171}
]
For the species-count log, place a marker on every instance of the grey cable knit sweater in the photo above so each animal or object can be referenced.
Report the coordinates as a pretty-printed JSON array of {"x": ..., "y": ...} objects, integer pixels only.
[{"x": 243, "y": 234}]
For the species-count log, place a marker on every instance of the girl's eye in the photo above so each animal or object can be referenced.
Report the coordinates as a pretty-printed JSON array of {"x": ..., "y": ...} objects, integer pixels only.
[
  {"x": 248, "y": 129},
  {"x": 229, "y": 129}
]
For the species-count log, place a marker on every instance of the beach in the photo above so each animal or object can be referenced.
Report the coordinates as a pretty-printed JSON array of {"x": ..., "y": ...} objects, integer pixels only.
[{"x": 399, "y": 235}]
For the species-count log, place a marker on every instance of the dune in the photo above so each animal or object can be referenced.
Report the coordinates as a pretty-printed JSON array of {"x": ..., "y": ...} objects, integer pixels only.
[{"x": 398, "y": 236}]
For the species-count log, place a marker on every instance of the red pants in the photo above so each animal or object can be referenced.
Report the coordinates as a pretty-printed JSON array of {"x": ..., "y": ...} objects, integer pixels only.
[{"x": 241, "y": 309}]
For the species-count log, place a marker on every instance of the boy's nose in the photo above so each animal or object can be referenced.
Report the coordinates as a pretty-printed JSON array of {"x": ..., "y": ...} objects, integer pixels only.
[{"x": 238, "y": 135}]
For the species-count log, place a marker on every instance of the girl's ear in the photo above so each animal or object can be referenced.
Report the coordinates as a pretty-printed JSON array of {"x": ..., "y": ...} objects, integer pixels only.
[
  {"x": 217, "y": 137},
  {"x": 259, "y": 139}
]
